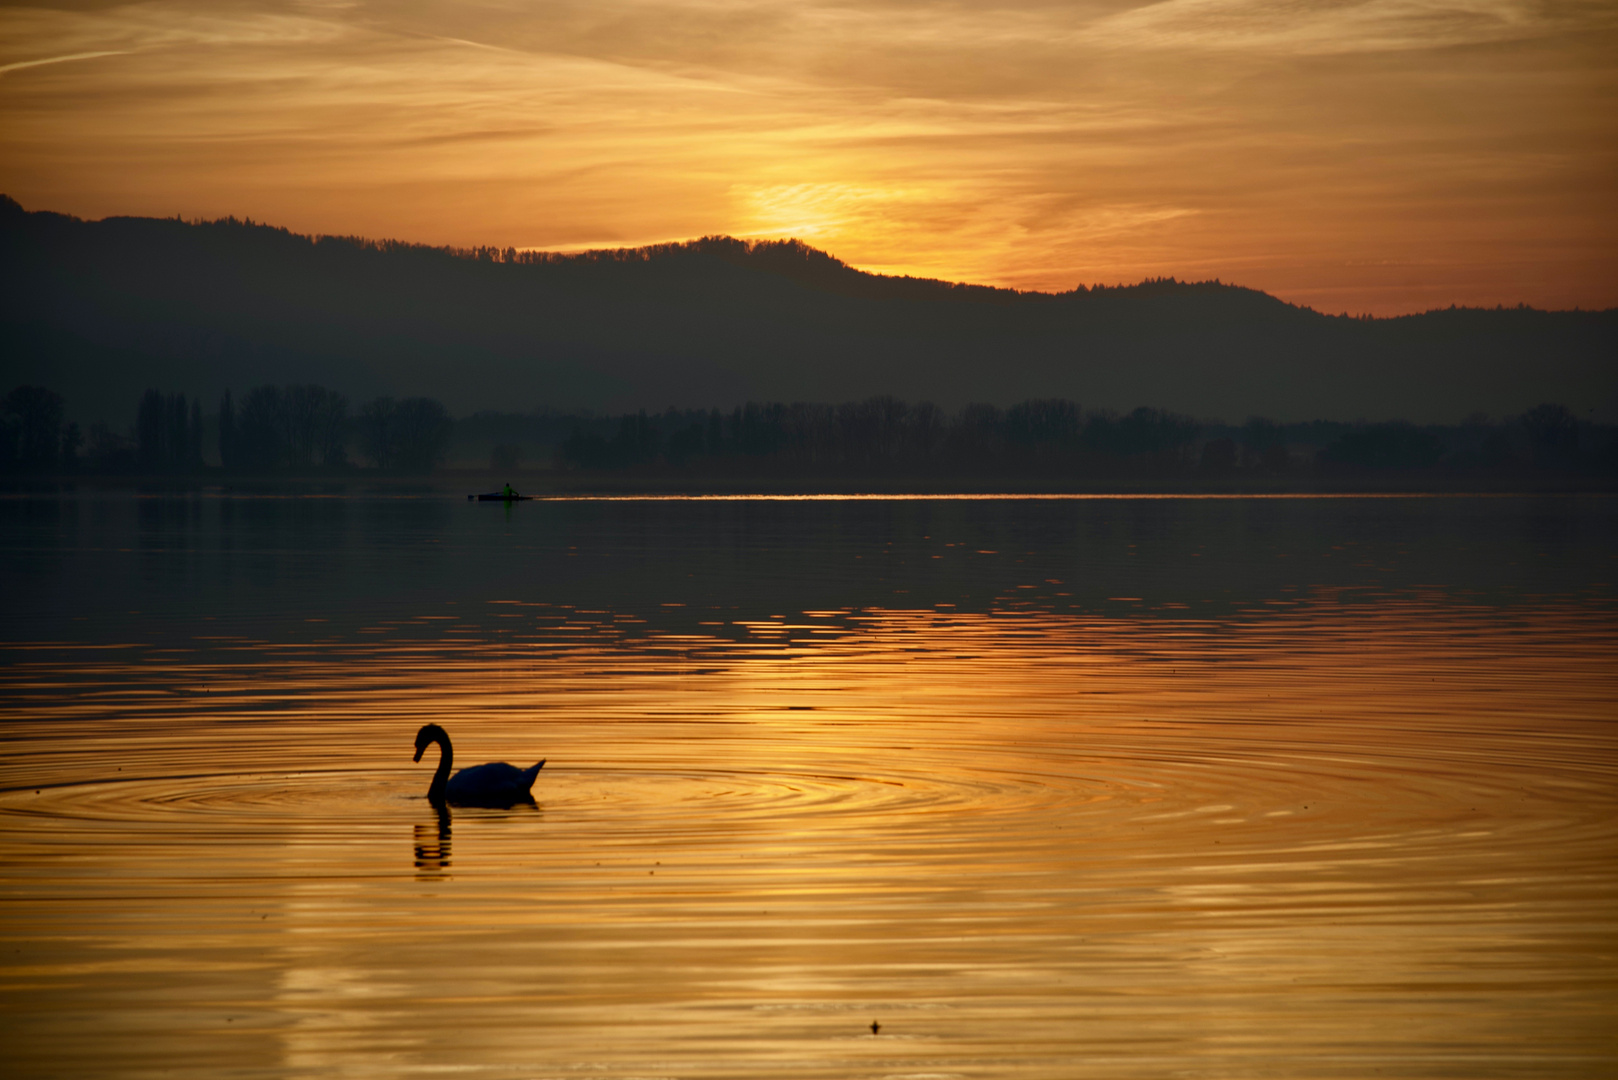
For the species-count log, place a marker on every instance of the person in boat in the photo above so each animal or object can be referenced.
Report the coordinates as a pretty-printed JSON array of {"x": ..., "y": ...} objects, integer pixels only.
[{"x": 508, "y": 493}]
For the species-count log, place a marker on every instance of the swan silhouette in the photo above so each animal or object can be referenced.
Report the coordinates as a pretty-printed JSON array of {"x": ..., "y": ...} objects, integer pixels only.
[{"x": 494, "y": 784}]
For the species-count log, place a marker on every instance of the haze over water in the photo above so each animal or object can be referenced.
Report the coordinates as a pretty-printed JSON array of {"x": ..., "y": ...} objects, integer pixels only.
[{"x": 1090, "y": 787}]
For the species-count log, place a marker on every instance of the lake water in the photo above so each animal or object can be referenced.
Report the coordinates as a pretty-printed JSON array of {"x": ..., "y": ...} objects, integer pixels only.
[{"x": 1090, "y": 787}]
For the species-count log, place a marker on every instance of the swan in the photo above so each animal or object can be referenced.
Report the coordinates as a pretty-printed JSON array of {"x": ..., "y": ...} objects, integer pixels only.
[{"x": 494, "y": 784}]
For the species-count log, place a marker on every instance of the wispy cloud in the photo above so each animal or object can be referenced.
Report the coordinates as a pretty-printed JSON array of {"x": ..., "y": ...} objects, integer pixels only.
[
  {"x": 20, "y": 64},
  {"x": 1343, "y": 26}
]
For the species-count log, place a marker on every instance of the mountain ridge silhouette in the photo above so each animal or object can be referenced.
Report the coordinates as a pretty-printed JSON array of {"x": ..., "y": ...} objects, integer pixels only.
[{"x": 101, "y": 310}]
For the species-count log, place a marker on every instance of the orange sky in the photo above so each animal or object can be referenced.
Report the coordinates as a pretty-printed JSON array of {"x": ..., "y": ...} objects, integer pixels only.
[{"x": 1381, "y": 156}]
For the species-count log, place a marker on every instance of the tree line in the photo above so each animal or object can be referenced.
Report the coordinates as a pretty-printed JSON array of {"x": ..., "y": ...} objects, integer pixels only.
[
  {"x": 302, "y": 428},
  {"x": 1036, "y": 436},
  {"x": 34, "y": 437},
  {"x": 1056, "y": 437},
  {"x": 296, "y": 428}
]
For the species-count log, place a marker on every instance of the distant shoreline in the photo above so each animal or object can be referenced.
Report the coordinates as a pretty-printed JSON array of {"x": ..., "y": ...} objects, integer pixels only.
[{"x": 563, "y": 485}]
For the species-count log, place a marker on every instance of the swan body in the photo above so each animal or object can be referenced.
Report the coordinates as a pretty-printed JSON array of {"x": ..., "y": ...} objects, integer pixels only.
[{"x": 494, "y": 784}]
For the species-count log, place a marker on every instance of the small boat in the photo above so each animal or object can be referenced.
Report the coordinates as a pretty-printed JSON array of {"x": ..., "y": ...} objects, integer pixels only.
[{"x": 499, "y": 496}]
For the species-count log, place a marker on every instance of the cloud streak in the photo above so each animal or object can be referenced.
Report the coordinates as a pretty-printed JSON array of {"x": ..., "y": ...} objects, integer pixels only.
[
  {"x": 20, "y": 64},
  {"x": 1287, "y": 27}
]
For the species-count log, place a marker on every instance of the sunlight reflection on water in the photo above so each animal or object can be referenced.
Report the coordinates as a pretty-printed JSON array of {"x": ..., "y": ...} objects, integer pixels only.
[{"x": 1260, "y": 821}]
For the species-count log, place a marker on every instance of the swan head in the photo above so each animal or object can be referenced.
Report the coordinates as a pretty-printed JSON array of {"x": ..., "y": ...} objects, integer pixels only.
[{"x": 429, "y": 734}]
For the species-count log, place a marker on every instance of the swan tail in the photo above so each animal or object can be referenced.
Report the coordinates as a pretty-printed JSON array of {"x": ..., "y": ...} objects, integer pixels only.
[{"x": 529, "y": 774}]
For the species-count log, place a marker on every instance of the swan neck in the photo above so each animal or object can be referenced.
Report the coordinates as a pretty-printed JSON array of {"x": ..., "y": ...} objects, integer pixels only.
[{"x": 441, "y": 776}]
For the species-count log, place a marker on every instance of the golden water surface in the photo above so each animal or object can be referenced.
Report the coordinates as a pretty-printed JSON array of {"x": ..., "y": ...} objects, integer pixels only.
[{"x": 802, "y": 817}]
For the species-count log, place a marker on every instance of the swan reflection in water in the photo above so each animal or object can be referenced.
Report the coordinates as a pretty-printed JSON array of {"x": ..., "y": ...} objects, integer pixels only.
[
  {"x": 494, "y": 785},
  {"x": 432, "y": 844}
]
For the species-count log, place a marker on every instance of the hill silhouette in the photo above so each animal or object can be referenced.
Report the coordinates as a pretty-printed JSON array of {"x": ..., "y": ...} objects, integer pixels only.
[{"x": 103, "y": 310}]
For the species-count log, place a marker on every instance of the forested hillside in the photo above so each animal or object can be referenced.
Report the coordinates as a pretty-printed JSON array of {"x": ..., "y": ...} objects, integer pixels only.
[{"x": 104, "y": 310}]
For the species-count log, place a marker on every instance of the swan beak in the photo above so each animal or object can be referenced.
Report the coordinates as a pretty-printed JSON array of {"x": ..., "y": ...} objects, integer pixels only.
[{"x": 419, "y": 749}]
